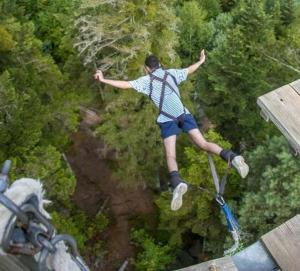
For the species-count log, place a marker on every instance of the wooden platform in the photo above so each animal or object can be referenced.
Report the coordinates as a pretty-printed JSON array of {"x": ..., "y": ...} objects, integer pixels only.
[
  {"x": 282, "y": 107},
  {"x": 281, "y": 246},
  {"x": 222, "y": 264},
  {"x": 283, "y": 243}
]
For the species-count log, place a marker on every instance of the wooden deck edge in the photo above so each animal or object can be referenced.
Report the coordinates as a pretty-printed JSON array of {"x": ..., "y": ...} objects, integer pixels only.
[{"x": 267, "y": 115}]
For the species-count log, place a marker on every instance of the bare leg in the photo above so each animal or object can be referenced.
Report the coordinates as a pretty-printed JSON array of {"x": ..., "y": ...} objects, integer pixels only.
[
  {"x": 237, "y": 161},
  {"x": 170, "y": 148},
  {"x": 179, "y": 187},
  {"x": 200, "y": 141}
]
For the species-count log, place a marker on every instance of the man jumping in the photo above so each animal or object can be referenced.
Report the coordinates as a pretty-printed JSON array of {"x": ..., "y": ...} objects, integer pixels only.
[{"x": 162, "y": 88}]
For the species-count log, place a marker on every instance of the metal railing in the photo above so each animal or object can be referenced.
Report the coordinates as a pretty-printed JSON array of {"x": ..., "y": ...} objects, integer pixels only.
[{"x": 29, "y": 232}]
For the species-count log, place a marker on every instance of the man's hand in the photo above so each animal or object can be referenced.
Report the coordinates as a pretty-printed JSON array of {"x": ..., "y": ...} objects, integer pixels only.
[
  {"x": 202, "y": 57},
  {"x": 99, "y": 76},
  {"x": 196, "y": 65}
]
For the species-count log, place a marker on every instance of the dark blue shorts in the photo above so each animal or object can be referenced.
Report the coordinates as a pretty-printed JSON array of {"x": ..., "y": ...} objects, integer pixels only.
[{"x": 170, "y": 128}]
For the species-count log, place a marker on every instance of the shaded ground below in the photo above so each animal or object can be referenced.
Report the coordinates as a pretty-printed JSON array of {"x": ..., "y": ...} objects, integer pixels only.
[{"x": 89, "y": 160}]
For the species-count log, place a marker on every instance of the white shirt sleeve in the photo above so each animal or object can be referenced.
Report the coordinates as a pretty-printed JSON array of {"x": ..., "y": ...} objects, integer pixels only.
[
  {"x": 179, "y": 74},
  {"x": 142, "y": 84}
]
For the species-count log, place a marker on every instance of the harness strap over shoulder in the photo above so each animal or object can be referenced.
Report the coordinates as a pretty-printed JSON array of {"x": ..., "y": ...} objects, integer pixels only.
[
  {"x": 162, "y": 95},
  {"x": 154, "y": 77},
  {"x": 174, "y": 79},
  {"x": 163, "y": 89},
  {"x": 151, "y": 86}
]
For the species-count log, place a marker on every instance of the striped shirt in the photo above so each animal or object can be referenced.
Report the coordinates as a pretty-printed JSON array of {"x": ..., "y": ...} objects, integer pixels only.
[{"x": 172, "y": 103}]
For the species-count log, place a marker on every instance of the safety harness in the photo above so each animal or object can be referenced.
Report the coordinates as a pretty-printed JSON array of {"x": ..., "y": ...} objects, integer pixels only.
[
  {"x": 180, "y": 119},
  {"x": 232, "y": 223}
]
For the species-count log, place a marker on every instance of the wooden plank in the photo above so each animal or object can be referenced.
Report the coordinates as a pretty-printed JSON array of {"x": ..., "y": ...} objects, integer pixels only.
[
  {"x": 282, "y": 106},
  {"x": 284, "y": 244},
  {"x": 222, "y": 264},
  {"x": 264, "y": 115},
  {"x": 296, "y": 86}
]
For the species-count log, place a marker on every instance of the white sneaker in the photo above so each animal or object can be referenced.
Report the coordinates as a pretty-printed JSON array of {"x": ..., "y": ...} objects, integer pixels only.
[
  {"x": 178, "y": 192},
  {"x": 240, "y": 165}
]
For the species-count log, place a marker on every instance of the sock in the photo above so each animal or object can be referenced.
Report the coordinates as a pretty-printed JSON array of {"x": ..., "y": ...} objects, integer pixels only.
[
  {"x": 227, "y": 155},
  {"x": 175, "y": 178}
]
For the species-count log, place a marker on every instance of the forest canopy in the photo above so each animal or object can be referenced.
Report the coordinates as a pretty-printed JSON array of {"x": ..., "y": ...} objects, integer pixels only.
[{"x": 49, "y": 51}]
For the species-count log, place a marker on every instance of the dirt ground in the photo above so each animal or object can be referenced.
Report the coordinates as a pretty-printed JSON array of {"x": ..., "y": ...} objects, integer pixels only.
[{"x": 89, "y": 159}]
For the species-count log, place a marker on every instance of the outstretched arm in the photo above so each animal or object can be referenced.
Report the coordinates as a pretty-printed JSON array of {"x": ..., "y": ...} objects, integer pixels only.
[
  {"x": 115, "y": 83},
  {"x": 196, "y": 65}
]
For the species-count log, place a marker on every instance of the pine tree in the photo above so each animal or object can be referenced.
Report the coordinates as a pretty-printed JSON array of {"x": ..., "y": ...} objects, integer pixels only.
[
  {"x": 7, "y": 43},
  {"x": 53, "y": 24},
  {"x": 228, "y": 5},
  {"x": 119, "y": 33},
  {"x": 273, "y": 8},
  {"x": 195, "y": 31},
  {"x": 212, "y": 7},
  {"x": 37, "y": 113},
  {"x": 288, "y": 14},
  {"x": 236, "y": 75},
  {"x": 155, "y": 256},
  {"x": 272, "y": 189},
  {"x": 282, "y": 55}
]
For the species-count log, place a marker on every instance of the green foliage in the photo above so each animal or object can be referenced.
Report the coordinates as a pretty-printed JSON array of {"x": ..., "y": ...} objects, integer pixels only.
[
  {"x": 272, "y": 189},
  {"x": 39, "y": 81},
  {"x": 101, "y": 222},
  {"x": 120, "y": 34},
  {"x": 273, "y": 8},
  {"x": 236, "y": 75},
  {"x": 80, "y": 227},
  {"x": 288, "y": 11},
  {"x": 53, "y": 24},
  {"x": 74, "y": 226},
  {"x": 228, "y": 5},
  {"x": 195, "y": 31},
  {"x": 252, "y": 48},
  {"x": 154, "y": 256},
  {"x": 238, "y": 67},
  {"x": 126, "y": 32},
  {"x": 135, "y": 138},
  {"x": 45, "y": 163},
  {"x": 285, "y": 56},
  {"x": 199, "y": 214},
  {"x": 7, "y": 43},
  {"x": 212, "y": 7},
  {"x": 38, "y": 105},
  {"x": 251, "y": 17}
]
